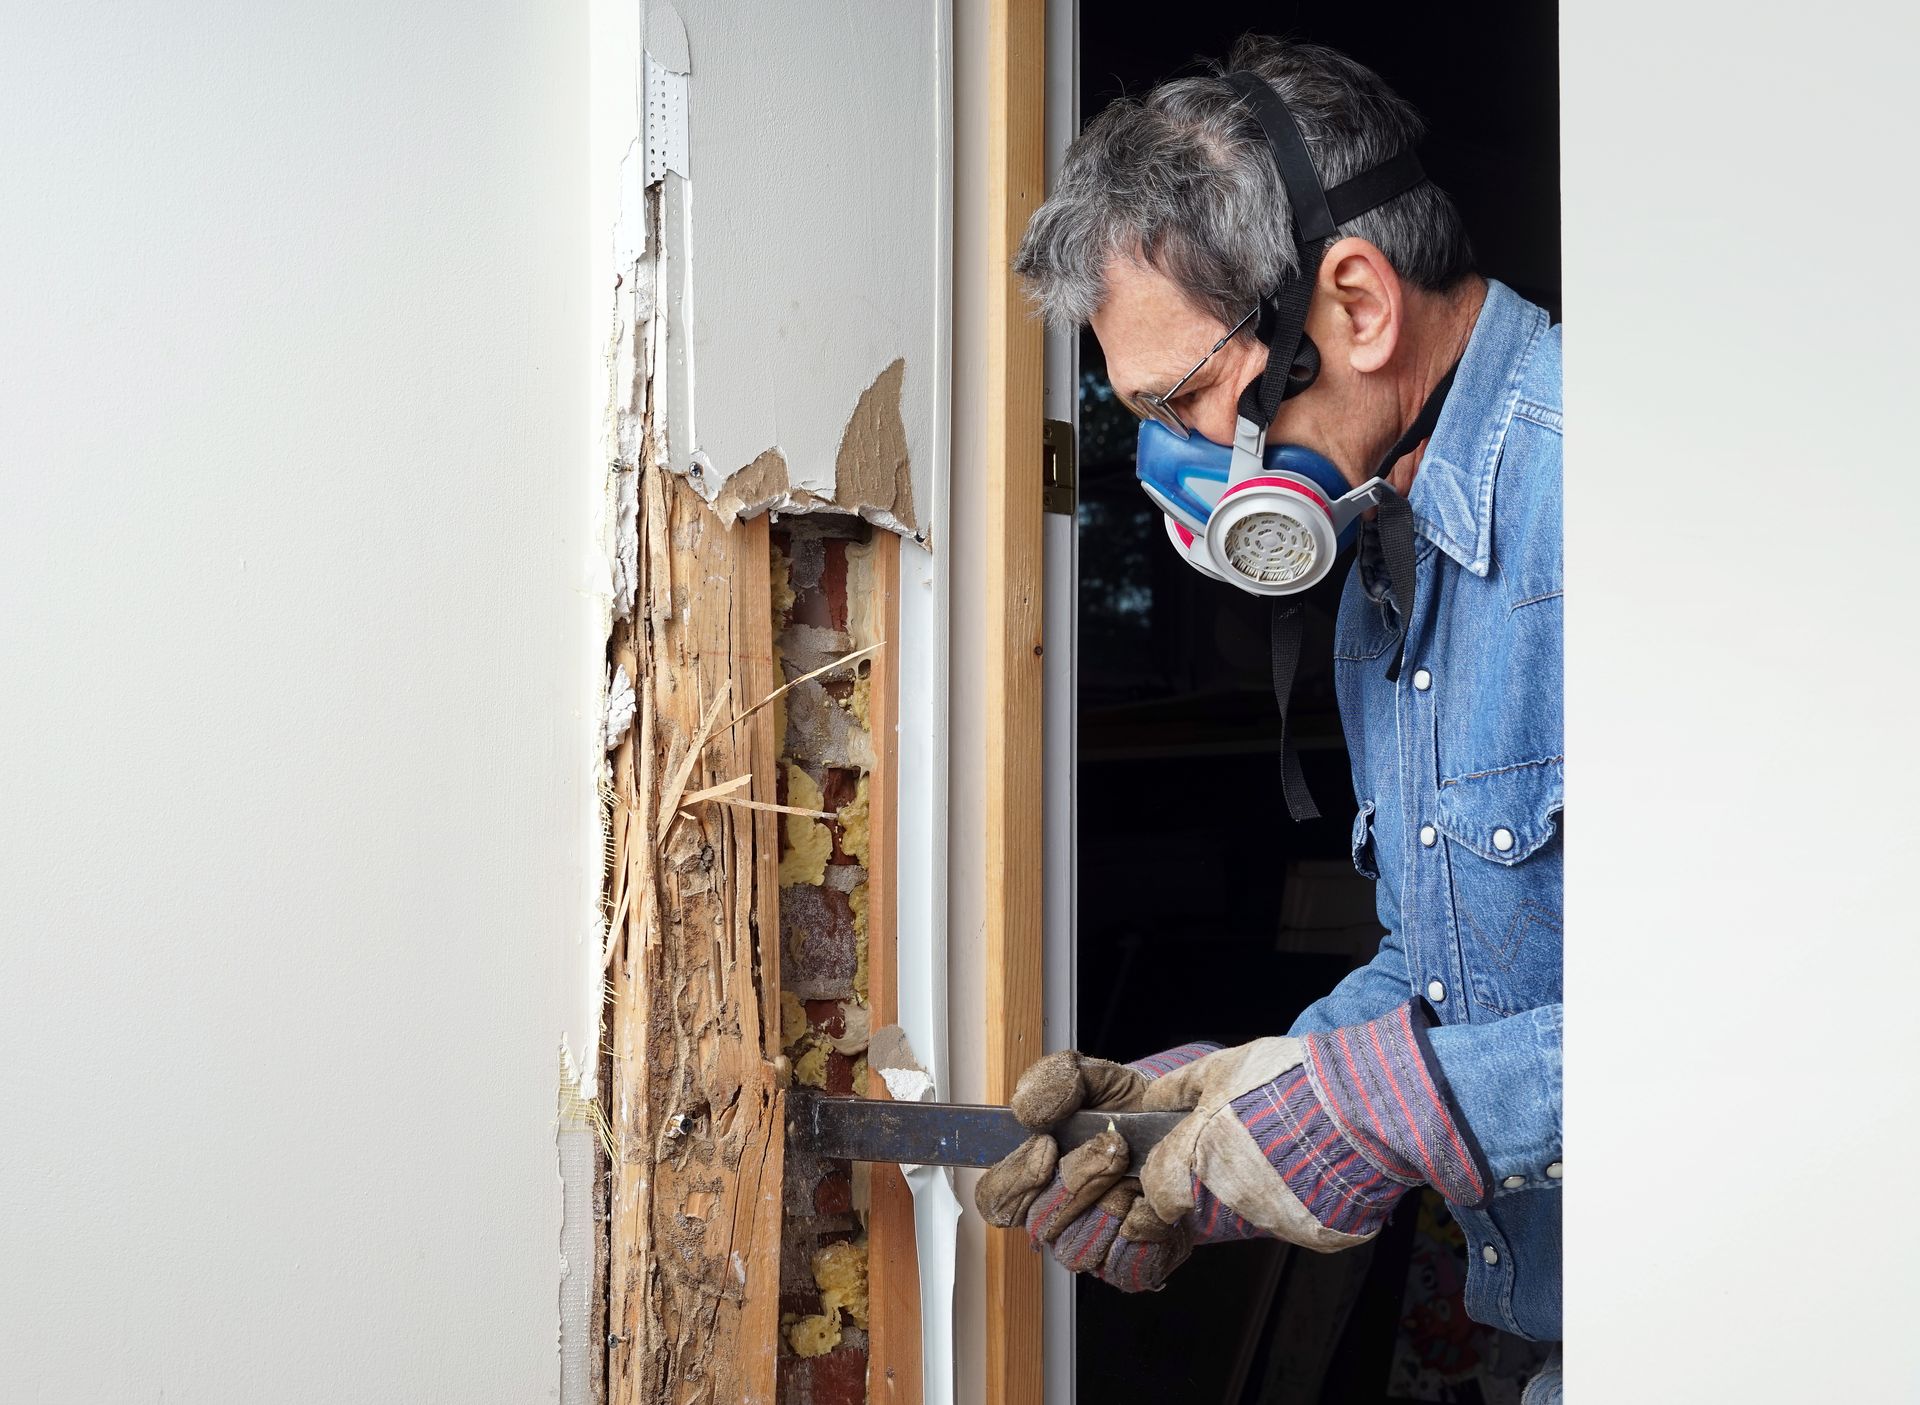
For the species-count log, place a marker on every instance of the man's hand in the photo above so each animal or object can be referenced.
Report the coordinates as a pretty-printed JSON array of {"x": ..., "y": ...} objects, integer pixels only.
[
  {"x": 1310, "y": 1140},
  {"x": 1083, "y": 1208}
]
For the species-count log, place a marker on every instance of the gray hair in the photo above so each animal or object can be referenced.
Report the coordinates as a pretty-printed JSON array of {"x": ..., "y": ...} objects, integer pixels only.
[{"x": 1184, "y": 181}]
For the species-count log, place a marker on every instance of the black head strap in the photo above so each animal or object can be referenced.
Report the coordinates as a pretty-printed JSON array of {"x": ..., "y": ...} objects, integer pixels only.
[{"x": 1292, "y": 360}]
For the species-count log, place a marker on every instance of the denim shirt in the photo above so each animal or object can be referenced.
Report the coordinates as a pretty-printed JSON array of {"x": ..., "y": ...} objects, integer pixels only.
[{"x": 1459, "y": 769}]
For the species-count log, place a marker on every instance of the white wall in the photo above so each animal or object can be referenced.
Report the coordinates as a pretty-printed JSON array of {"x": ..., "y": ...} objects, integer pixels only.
[
  {"x": 1743, "y": 957},
  {"x": 299, "y": 647}
]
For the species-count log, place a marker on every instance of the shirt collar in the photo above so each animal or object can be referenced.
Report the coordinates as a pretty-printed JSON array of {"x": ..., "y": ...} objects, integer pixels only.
[{"x": 1453, "y": 491}]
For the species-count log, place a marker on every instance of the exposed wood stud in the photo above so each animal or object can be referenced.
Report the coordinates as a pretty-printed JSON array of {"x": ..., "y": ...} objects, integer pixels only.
[
  {"x": 1016, "y": 123},
  {"x": 893, "y": 1351}
]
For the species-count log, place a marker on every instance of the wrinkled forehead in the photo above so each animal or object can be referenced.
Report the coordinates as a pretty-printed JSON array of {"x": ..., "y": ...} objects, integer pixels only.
[{"x": 1150, "y": 332}]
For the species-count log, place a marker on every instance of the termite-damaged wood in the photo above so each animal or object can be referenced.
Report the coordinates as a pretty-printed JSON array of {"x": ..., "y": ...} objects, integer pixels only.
[{"x": 696, "y": 1105}]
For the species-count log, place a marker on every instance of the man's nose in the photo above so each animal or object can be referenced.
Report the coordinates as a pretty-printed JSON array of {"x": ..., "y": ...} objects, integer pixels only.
[{"x": 1214, "y": 414}]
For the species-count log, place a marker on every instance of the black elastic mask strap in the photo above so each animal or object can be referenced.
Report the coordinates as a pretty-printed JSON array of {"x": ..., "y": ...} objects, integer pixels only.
[
  {"x": 1394, "y": 525},
  {"x": 1293, "y": 361},
  {"x": 1289, "y": 625},
  {"x": 1394, "y": 520}
]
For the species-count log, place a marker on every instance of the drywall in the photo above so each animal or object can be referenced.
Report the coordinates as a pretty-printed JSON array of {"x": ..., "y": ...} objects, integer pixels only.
[
  {"x": 1742, "y": 1064},
  {"x": 299, "y": 843},
  {"x": 812, "y": 228}
]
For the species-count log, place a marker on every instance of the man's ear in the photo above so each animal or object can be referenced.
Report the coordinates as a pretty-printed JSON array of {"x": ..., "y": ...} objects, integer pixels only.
[{"x": 1363, "y": 293}]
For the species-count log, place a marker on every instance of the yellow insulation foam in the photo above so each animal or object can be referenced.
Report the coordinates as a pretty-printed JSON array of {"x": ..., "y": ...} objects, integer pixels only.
[
  {"x": 857, "y": 900},
  {"x": 841, "y": 1272},
  {"x": 815, "y": 1335},
  {"x": 853, "y": 824},
  {"x": 811, "y": 1067},
  {"x": 807, "y": 844},
  {"x": 793, "y": 1020}
]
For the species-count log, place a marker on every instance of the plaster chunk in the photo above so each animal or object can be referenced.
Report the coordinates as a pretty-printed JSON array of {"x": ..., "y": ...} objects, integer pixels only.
[{"x": 856, "y": 1025}]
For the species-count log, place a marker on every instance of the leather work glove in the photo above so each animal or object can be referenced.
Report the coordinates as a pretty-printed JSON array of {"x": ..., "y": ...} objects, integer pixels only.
[
  {"x": 1311, "y": 1140},
  {"x": 1083, "y": 1207}
]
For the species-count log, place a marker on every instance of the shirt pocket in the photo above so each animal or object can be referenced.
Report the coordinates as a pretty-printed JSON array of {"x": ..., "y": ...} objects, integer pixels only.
[
  {"x": 1504, "y": 865},
  {"x": 1498, "y": 682}
]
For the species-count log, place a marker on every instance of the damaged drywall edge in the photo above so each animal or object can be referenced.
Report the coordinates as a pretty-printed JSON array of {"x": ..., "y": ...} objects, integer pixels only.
[
  {"x": 622, "y": 303},
  {"x": 871, "y": 473},
  {"x": 872, "y": 476}
]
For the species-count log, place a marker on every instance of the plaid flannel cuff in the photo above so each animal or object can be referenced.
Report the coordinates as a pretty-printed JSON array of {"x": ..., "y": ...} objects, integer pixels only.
[
  {"x": 1380, "y": 1082},
  {"x": 1158, "y": 1065}
]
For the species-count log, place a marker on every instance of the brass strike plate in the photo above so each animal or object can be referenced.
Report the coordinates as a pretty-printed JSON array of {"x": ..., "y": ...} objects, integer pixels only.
[{"x": 1057, "y": 483}]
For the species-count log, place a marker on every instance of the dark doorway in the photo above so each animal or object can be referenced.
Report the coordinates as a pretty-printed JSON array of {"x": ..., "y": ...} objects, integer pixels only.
[{"x": 1204, "y": 912}]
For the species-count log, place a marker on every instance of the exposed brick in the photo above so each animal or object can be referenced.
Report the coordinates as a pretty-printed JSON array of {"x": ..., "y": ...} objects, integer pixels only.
[
  {"x": 840, "y": 786},
  {"x": 840, "y": 1377},
  {"x": 827, "y": 1016},
  {"x": 833, "y": 584},
  {"x": 817, "y": 943},
  {"x": 839, "y": 1074},
  {"x": 823, "y": 736},
  {"x": 834, "y": 1194}
]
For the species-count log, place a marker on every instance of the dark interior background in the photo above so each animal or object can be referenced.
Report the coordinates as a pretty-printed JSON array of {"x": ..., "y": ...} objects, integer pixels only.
[{"x": 1185, "y": 848}]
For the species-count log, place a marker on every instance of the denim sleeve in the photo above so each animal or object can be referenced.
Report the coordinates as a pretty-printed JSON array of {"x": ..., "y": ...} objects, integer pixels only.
[
  {"x": 1370, "y": 991},
  {"x": 1505, "y": 1079}
]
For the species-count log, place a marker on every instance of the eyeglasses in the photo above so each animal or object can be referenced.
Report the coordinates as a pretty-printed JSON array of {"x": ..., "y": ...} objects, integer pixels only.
[{"x": 1157, "y": 408}]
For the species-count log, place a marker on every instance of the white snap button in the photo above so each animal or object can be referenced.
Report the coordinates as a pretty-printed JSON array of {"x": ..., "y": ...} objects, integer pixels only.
[
  {"x": 1422, "y": 680},
  {"x": 1489, "y": 1256},
  {"x": 1429, "y": 836},
  {"x": 1503, "y": 839},
  {"x": 1553, "y": 1171},
  {"x": 1514, "y": 1182},
  {"x": 1436, "y": 992}
]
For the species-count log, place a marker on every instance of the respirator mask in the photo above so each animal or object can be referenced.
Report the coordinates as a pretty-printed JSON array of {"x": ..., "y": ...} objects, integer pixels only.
[
  {"x": 1270, "y": 524},
  {"x": 1271, "y": 520}
]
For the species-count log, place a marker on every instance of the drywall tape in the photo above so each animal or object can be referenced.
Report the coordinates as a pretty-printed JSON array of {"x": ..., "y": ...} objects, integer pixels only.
[{"x": 666, "y": 106}]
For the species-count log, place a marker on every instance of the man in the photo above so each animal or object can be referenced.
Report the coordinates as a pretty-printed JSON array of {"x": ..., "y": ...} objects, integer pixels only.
[{"x": 1438, "y": 1063}]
